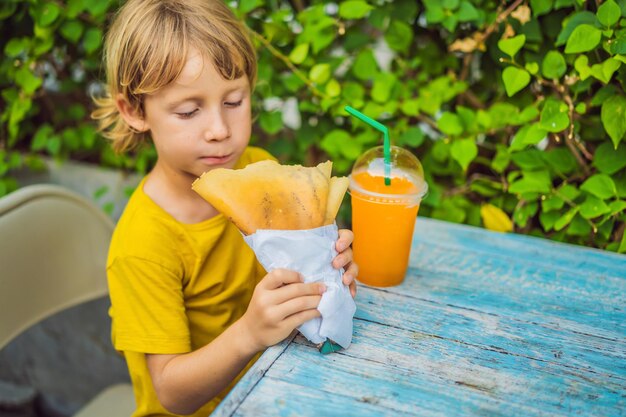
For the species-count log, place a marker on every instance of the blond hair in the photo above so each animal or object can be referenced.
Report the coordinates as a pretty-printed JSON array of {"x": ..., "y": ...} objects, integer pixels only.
[{"x": 146, "y": 49}]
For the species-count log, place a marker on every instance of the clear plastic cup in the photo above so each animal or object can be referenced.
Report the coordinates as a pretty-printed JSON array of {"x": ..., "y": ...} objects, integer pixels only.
[{"x": 383, "y": 216}]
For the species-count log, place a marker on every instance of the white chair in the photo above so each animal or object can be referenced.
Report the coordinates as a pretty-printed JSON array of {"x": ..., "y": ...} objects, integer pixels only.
[{"x": 53, "y": 248}]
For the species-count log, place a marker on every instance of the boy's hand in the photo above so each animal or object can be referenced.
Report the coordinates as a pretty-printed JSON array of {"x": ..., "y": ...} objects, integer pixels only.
[
  {"x": 280, "y": 303},
  {"x": 345, "y": 260}
]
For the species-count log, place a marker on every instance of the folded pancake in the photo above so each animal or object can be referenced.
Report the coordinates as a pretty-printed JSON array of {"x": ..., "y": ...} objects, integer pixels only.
[{"x": 267, "y": 195}]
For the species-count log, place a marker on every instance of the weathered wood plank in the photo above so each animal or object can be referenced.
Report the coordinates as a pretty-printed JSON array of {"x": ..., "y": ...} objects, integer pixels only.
[
  {"x": 404, "y": 371},
  {"x": 507, "y": 334},
  {"x": 494, "y": 283},
  {"x": 274, "y": 397},
  {"x": 528, "y": 248}
]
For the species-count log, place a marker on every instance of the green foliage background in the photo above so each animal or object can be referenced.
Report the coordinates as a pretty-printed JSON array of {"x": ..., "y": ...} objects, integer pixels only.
[{"x": 516, "y": 109}]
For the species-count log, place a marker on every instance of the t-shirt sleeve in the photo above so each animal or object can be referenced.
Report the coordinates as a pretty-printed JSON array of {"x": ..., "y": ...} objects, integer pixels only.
[{"x": 148, "y": 309}]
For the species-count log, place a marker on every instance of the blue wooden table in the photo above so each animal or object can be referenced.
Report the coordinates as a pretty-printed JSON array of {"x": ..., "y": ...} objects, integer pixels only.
[{"x": 484, "y": 324}]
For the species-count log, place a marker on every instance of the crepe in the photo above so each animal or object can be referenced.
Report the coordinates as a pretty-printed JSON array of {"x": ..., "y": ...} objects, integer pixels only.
[{"x": 268, "y": 195}]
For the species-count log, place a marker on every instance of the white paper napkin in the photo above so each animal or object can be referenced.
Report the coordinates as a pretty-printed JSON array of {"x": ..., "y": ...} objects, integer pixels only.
[{"x": 310, "y": 252}]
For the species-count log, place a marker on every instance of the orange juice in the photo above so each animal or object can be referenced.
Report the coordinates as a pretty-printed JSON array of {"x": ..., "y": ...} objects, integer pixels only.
[{"x": 383, "y": 217}]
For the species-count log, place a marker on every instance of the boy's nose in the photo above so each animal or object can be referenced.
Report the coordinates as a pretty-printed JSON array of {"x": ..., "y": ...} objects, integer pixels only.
[{"x": 217, "y": 128}]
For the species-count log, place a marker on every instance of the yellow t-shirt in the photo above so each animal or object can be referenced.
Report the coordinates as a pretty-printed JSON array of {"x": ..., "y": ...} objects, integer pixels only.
[{"x": 175, "y": 287}]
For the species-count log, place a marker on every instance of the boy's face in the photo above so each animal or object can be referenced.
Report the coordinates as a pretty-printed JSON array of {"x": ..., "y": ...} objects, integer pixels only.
[{"x": 200, "y": 121}]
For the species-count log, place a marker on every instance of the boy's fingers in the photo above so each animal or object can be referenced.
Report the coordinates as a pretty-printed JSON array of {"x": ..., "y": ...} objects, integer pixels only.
[
  {"x": 353, "y": 289},
  {"x": 296, "y": 320},
  {"x": 297, "y": 305},
  {"x": 293, "y": 291},
  {"x": 280, "y": 277},
  {"x": 345, "y": 240},
  {"x": 351, "y": 273},
  {"x": 342, "y": 259}
]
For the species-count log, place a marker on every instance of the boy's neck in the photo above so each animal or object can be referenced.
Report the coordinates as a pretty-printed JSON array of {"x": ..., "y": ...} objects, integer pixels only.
[{"x": 172, "y": 192}]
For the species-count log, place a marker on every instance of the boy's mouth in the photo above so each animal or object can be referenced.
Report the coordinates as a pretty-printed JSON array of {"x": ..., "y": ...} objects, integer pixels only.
[{"x": 215, "y": 160}]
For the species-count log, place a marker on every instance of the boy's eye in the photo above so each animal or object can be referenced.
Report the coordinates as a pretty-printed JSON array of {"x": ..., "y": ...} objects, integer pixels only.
[
  {"x": 187, "y": 115},
  {"x": 233, "y": 103}
]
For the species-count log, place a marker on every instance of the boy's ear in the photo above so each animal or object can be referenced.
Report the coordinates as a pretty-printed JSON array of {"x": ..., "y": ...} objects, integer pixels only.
[{"x": 130, "y": 115}]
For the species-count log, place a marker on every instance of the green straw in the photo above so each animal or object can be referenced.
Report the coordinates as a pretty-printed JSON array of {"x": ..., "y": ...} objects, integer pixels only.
[{"x": 382, "y": 128}]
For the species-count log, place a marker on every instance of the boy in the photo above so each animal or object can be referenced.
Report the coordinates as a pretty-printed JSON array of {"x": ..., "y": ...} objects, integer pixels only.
[{"x": 191, "y": 306}]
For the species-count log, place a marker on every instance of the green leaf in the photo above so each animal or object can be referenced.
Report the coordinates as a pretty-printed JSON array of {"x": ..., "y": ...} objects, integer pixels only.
[
  {"x": 413, "y": 137},
  {"x": 609, "y": 13},
  {"x": 46, "y": 14},
  {"x": 568, "y": 191},
  {"x": 528, "y": 135},
  {"x": 383, "y": 84},
  {"x": 450, "y": 4},
  {"x": 532, "y": 67},
  {"x": 352, "y": 92},
  {"x": 617, "y": 207},
  {"x": 450, "y": 22},
  {"x": 365, "y": 67},
  {"x": 299, "y": 53},
  {"x": 27, "y": 80},
  {"x": 528, "y": 114},
  {"x": 584, "y": 38},
  {"x": 593, "y": 207},
  {"x": 320, "y": 73},
  {"x": 450, "y": 124},
  {"x": 553, "y": 65},
  {"x": 17, "y": 46},
  {"x": 246, "y": 6},
  {"x": 467, "y": 12},
  {"x": 271, "y": 122},
  {"x": 92, "y": 40},
  {"x": 529, "y": 159},
  {"x": 572, "y": 22},
  {"x": 72, "y": 30},
  {"x": 399, "y": 36},
  {"x": 554, "y": 117},
  {"x": 613, "y": 116},
  {"x": 523, "y": 212},
  {"x": 53, "y": 145},
  {"x": 600, "y": 185},
  {"x": 604, "y": 71},
  {"x": 617, "y": 45},
  {"x": 73, "y": 8},
  {"x": 548, "y": 219},
  {"x": 512, "y": 45},
  {"x": 566, "y": 219},
  {"x": 501, "y": 160},
  {"x": 579, "y": 227},
  {"x": 410, "y": 107},
  {"x": 41, "y": 137},
  {"x": 97, "y": 8},
  {"x": 551, "y": 203},
  {"x": 6, "y": 9},
  {"x": 333, "y": 88},
  {"x": 540, "y": 7},
  {"x": 338, "y": 143},
  {"x": 486, "y": 187},
  {"x": 602, "y": 94},
  {"x": 464, "y": 151},
  {"x": 515, "y": 79},
  {"x": 354, "y": 9},
  {"x": 581, "y": 65},
  {"x": 560, "y": 160},
  {"x": 609, "y": 160},
  {"x": 532, "y": 182}
]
